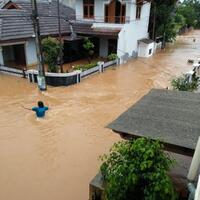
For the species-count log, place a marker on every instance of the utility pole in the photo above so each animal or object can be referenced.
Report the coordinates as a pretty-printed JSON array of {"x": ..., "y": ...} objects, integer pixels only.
[
  {"x": 154, "y": 20},
  {"x": 60, "y": 38},
  {"x": 41, "y": 71}
]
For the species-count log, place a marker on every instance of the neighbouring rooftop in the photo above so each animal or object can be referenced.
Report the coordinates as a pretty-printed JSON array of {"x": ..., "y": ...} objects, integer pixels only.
[
  {"x": 16, "y": 23},
  {"x": 171, "y": 116}
]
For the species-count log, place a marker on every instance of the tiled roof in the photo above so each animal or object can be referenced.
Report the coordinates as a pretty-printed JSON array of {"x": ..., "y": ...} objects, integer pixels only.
[
  {"x": 17, "y": 23},
  {"x": 171, "y": 116}
]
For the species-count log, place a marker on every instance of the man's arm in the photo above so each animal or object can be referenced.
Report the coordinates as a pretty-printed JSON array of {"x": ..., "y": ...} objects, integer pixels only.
[{"x": 34, "y": 108}]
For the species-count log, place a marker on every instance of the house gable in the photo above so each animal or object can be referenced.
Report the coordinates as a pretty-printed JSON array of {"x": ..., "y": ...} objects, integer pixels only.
[{"x": 10, "y": 5}]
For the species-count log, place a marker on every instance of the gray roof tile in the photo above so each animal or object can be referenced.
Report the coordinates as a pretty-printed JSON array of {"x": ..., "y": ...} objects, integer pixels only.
[
  {"x": 171, "y": 116},
  {"x": 17, "y": 23}
]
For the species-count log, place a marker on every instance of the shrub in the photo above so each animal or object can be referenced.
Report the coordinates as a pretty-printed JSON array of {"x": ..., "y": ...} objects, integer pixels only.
[
  {"x": 182, "y": 83},
  {"x": 137, "y": 169},
  {"x": 85, "y": 67},
  {"x": 51, "y": 49},
  {"x": 89, "y": 47},
  {"x": 112, "y": 56}
]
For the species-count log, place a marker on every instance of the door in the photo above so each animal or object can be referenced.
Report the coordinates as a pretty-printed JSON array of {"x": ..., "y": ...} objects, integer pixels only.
[{"x": 110, "y": 12}]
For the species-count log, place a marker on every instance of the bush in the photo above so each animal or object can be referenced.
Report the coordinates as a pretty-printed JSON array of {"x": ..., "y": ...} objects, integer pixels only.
[
  {"x": 89, "y": 47},
  {"x": 85, "y": 67},
  {"x": 182, "y": 83},
  {"x": 137, "y": 169},
  {"x": 51, "y": 49},
  {"x": 112, "y": 56}
]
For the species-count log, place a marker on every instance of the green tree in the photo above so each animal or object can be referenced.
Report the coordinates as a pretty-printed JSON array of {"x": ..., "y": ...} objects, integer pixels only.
[
  {"x": 191, "y": 11},
  {"x": 182, "y": 84},
  {"x": 180, "y": 22},
  {"x": 164, "y": 13},
  {"x": 51, "y": 49},
  {"x": 187, "y": 10},
  {"x": 89, "y": 47},
  {"x": 137, "y": 169}
]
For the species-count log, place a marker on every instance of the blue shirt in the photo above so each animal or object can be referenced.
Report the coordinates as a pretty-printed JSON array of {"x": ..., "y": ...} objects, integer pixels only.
[{"x": 40, "y": 112}]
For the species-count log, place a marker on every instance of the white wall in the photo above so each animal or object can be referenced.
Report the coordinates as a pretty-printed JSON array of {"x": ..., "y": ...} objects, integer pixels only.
[
  {"x": 143, "y": 50},
  {"x": 1, "y": 56},
  {"x": 70, "y": 3},
  {"x": 79, "y": 9},
  {"x": 99, "y": 9},
  {"x": 132, "y": 32},
  {"x": 131, "y": 9},
  {"x": 30, "y": 52},
  {"x": 103, "y": 47}
]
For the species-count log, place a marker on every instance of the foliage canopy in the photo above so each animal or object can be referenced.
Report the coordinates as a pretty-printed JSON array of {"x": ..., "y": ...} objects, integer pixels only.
[
  {"x": 182, "y": 84},
  {"x": 89, "y": 47},
  {"x": 171, "y": 16},
  {"x": 137, "y": 169},
  {"x": 51, "y": 49}
]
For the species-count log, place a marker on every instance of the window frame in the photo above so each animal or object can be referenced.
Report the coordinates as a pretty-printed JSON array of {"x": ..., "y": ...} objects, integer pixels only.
[
  {"x": 89, "y": 7},
  {"x": 138, "y": 11}
]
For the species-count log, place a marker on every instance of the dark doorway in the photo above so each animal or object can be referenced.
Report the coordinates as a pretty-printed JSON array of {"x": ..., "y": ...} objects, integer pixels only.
[
  {"x": 14, "y": 56},
  {"x": 112, "y": 46},
  {"x": 73, "y": 50}
]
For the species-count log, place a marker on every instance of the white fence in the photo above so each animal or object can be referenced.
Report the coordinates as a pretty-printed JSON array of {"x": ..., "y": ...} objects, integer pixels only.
[
  {"x": 13, "y": 71},
  {"x": 89, "y": 71},
  {"x": 58, "y": 79},
  {"x": 157, "y": 45},
  {"x": 98, "y": 69}
]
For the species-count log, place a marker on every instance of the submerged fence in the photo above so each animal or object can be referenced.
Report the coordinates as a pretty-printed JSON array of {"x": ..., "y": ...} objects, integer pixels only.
[
  {"x": 65, "y": 79},
  {"x": 13, "y": 71},
  {"x": 58, "y": 79}
]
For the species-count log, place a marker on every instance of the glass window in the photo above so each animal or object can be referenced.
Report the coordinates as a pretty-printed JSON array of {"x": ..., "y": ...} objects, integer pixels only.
[
  {"x": 88, "y": 8},
  {"x": 138, "y": 11}
]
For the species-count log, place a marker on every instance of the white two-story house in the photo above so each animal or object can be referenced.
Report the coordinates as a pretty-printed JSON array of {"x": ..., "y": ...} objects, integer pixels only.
[{"x": 118, "y": 24}]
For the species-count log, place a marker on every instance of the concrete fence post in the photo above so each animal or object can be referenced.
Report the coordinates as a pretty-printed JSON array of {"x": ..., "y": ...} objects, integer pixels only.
[
  {"x": 78, "y": 77},
  {"x": 195, "y": 163},
  {"x": 101, "y": 67},
  {"x": 118, "y": 61},
  {"x": 1, "y": 56},
  {"x": 197, "y": 193}
]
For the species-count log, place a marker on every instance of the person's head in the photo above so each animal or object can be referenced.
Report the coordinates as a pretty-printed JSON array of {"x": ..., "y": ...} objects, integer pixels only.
[{"x": 40, "y": 104}]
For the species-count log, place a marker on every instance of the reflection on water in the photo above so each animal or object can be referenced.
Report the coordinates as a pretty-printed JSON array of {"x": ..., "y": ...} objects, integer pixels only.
[{"x": 56, "y": 157}]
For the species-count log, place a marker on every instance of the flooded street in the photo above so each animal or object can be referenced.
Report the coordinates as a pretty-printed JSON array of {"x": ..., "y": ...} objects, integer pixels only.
[{"x": 55, "y": 158}]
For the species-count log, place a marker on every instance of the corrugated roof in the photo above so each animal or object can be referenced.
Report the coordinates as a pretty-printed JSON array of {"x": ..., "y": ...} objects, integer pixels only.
[
  {"x": 171, "y": 116},
  {"x": 17, "y": 23}
]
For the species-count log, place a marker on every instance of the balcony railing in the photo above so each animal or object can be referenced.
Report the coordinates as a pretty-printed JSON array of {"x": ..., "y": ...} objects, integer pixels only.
[
  {"x": 105, "y": 19},
  {"x": 115, "y": 19}
]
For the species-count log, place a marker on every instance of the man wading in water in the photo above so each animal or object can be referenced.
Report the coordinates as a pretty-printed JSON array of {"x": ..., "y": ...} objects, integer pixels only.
[{"x": 40, "y": 110}]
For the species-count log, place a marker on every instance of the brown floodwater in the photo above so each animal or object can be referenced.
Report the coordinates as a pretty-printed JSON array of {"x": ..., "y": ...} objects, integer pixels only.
[{"x": 55, "y": 158}]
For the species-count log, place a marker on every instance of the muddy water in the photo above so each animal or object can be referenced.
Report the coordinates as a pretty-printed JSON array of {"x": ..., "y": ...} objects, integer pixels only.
[{"x": 55, "y": 158}]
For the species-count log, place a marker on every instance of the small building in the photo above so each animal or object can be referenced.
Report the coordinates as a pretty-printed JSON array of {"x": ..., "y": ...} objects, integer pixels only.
[
  {"x": 145, "y": 48},
  {"x": 17, "y": 38}
]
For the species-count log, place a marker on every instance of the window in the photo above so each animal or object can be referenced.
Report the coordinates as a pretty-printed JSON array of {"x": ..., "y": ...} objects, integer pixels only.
[
  {"x": 123, "y": 13},
  {"x": 11, "y": 5},
  {"x": 150, "y": 51},
  {"x": 138, "y": 11},
  {"x": 88, "y": 9}
]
